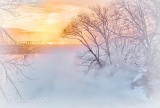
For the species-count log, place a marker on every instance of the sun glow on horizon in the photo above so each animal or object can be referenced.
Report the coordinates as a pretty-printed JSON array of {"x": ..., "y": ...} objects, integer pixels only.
[
  {"x": 41, "y": 23},
  {"x": 44, "y": 20}
]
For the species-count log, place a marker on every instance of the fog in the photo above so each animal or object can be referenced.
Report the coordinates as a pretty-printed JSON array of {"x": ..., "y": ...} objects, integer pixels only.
[{"x": 59, "y": 83}]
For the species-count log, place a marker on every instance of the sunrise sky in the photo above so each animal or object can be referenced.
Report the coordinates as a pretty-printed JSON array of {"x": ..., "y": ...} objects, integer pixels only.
[{"x": 44, "y": 19}]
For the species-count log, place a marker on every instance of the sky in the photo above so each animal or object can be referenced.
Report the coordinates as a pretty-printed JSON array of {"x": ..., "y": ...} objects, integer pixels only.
[{"x": 44, "y": 20}]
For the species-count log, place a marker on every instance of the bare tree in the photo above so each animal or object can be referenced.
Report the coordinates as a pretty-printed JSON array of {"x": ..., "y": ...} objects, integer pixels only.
[
  {"x": 94, "y": 31},
  {"x": 10, "y": 65}
]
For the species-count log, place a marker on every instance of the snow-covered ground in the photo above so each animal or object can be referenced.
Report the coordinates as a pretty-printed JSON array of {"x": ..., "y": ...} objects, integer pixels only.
[{"x": 60, "y": 84}]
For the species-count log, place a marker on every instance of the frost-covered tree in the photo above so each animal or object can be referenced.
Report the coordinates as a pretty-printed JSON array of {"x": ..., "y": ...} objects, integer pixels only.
[
  {"x": 143, "y": 17},
  {"x": 123, "y": 32}
]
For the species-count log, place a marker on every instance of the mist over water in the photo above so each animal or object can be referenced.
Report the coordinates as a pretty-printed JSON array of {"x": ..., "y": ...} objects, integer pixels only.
[{"x": 59, "y": 83}]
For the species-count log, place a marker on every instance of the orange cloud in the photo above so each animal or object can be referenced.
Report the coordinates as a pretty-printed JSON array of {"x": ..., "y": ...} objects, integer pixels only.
[{"x": 46, "y": 20}]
